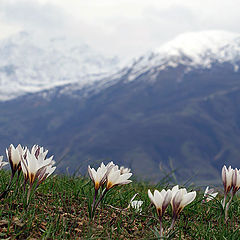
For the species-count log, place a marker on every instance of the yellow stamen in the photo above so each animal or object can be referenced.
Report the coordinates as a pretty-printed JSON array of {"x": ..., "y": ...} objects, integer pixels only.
[
  {"x": 109, "y": 185},
  {"x": 97, "y": 185}
]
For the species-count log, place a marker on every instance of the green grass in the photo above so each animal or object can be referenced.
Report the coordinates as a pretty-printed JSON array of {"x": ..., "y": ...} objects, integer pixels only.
[{"x": 59, "y": 209}]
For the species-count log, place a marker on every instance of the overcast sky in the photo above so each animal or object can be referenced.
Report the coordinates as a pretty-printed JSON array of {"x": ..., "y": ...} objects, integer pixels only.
[{"x": 118, "y": 27}]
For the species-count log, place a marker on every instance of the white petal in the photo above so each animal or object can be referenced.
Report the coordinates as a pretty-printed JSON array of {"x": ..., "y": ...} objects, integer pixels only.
[
  {"x": 187, "y": 199},
  {"x": 167, "y": 199},
  {"x": 50, "y": 170},
  {"x": 158, "y": 199},
  {"x": 224, "y": 170},
  {"x": 176, "y": 200},
  {"x": 151, "y": 197},
  {"x": 32, "y": 163},
  {"x": 90, "y": 173},
  {"x": 206, "y": 191},
  {"x": 238, "y": 178},
  {"x": 113, "y": 176}
]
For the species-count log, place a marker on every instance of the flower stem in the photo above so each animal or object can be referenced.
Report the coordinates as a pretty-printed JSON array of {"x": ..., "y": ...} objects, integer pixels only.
[
  {"x": 224, "y": 200},
  {"x": 101, "y": 197},
  {"x": 227, "y": 207},
  {"x": 173, "y": 223},
  {"x": 94, "y": 200},
  {"x": 28, "y": 194},
  {"x": 161, "y": 227}
]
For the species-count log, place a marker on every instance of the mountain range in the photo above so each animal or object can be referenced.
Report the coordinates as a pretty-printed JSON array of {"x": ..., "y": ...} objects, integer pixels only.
[{"x": 173, "y": 109}]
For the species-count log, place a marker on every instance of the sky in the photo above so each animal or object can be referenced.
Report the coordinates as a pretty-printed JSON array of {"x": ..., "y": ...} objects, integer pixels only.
[{"x": 126, "y": 28}]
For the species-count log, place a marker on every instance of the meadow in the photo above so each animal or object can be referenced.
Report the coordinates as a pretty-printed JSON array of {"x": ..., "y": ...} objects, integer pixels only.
[{"x": 60, "y": 208}]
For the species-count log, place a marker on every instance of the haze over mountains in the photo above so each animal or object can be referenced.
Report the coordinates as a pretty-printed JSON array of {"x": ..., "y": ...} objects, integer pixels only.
[
  {"x": 30, "y": 63},
  {"x": 176, "y": 107}
]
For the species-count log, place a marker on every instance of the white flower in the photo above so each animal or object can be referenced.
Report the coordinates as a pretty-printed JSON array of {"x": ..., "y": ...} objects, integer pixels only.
[
  {"x": 41, "y": 154},
  {"x": 36, "y": 150},
  {"x": 227, "y": 177},
  {"x": 14, "y": 156},
  {"x": 174, "y": 190},
  {"x": 181, "y": 199},
  {"x": 160, "y": 200},
  {"x": 209, "y": 194},
  {"x": 99, "y": 177},
  {"x": 110, "y": 165},
  {"x": 114, "y": 178},
  {"x": 124, "y": 170},
  {"x": 36, "y": 168},
  {"x": 2, "y": 164},
  {"x": 136, "y": 204},
  {"x": 236, "y": 180}
]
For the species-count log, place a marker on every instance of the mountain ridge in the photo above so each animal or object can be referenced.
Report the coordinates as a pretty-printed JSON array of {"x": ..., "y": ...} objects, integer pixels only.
[
  {"x": 164, "y": 119},
  {"x": 33, "y": 74}
]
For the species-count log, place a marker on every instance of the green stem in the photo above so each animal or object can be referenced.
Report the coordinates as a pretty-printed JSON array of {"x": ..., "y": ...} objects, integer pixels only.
[
  {"x": 29, "y": 192},
  {"x": 227, "y": 207},
  {"x": 173, "y": 223},
  {"x": 161, "y": 227},
  {"x": 224, "y": 200},
  {"x": 94, "y": 200},
  {"x": 101, "y": 197}
]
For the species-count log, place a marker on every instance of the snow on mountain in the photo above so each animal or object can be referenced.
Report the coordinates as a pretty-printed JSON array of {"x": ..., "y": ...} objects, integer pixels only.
[
  {"x": 31, "y": 64},
  {"x": 194, "y": 50}
]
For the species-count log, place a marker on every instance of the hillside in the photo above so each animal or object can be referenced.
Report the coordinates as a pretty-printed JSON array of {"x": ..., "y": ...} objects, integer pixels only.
[{"x": 59, "y": 209}]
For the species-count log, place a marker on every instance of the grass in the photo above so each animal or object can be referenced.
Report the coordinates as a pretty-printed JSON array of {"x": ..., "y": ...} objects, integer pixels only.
[{"x": 59, "y": 209}]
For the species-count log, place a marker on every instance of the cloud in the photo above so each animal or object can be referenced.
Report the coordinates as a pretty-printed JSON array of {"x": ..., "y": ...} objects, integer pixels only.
[
  {"x": 122, "y": 27},
  {"x": 31, "y": 15}
]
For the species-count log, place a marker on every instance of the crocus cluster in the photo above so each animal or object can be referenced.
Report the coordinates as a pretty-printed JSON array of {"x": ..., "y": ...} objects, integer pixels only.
[
  {"x": 178, "y": 198},
  {"x": 34, "y": 165},
  {"x": 107, "y": 177},
  {"x": 231, "y": 184}
]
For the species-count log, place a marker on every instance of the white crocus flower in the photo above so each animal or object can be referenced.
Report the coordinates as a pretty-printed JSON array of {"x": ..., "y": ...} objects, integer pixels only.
[
  {"x": 136, "y": 204},
  {"x": 235, "y": 180},
  {"x": 124, "y": 170},
  {"x": 235, "y": 185},
  {"x": 109, "y": 174},
  {"x": 2, "y": 164},
  {"x": 227, "y": 178},
  {"x": 181, "y": 199},
  {"x": 36, "y": 168},
  {"x": 114, "y": 178},
  {"x": 99, "y": 177},
  {"x": 41, "y": 154},
  {"x": 36, "y": 150},
  {"x": 160, "y": 200},
  {"x": 209, "y": 194},
  {"x": 110, "y": 165},
  {"x": 174, "y": 191},
  {"x": 14, "y": 156}
]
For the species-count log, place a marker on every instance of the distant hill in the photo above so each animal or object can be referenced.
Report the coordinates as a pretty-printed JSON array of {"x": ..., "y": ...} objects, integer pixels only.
[{"x": 162, "y": 112}]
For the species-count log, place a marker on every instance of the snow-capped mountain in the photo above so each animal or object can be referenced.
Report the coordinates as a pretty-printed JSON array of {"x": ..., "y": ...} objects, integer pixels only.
[
  {"x": 194, "y": 50},
  {"x": 156, "y": 120},
  {"x": 31, "y": 64}
]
